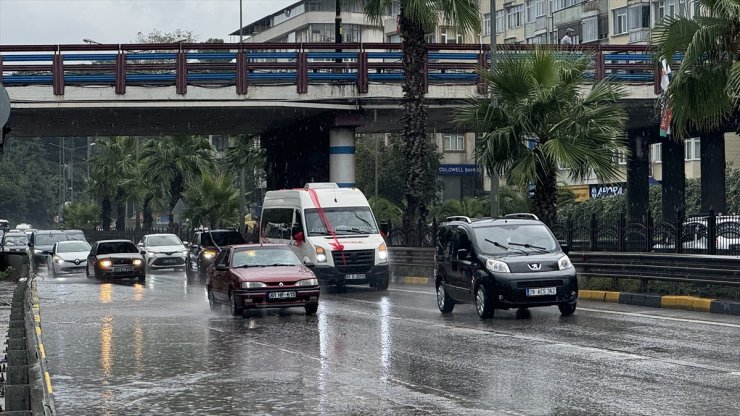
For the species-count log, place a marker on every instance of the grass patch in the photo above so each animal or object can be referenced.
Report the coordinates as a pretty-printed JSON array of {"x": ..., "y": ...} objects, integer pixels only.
[{"x": 660, "y": 288}]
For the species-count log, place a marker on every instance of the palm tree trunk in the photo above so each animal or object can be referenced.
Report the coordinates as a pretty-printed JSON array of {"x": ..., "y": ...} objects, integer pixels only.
[
  {"x": 147, "y": 213},
  {"x": 120, "y": 211},
  {"x": 105, "y": 214},
  {"x": 414, "y": 118},
  {"x": 175, "y": 191},
  {"x": 546, "y": 193}
]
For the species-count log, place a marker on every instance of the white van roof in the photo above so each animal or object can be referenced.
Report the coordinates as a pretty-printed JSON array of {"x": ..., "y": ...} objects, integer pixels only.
[{"x": 329, "y": 195}]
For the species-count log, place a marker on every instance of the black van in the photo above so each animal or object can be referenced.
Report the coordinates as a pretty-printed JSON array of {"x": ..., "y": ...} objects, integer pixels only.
[{"x": 510, "y": 262}]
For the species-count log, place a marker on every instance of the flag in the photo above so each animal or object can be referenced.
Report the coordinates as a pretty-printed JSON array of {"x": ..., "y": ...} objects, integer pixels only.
[{"x": 665, "y": 112}]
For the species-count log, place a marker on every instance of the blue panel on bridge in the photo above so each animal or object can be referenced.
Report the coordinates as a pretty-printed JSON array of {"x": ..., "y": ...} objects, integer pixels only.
[
  {"x": 331, "y": 55},
  {"x": 272, "y": 76},
  {"x": 89, "y": 78},
  {"x": 342, "y": 150},
  {"x": 385, "y": 77},
  {"x": 150, "y": 56},
  {"x": 91, "y": 57},
  {"x": 271, "y": 55},
  {"x": 210, "y": 55},
  {"x": 385, "y": 55},
  {"x": 27, "y": 58},
  {"x": 453, "y": 56},
  {"x": 332, "y": 77}
]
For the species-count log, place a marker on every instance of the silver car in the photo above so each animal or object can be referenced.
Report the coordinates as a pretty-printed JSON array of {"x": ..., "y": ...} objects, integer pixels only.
[
  {"x": 15, "y": 242},
  {"x": 163, "y": 251},
  {"x": 68, "y": 257}
]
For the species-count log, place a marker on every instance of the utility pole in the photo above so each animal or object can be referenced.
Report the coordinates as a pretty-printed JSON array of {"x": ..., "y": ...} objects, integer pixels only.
[{"x": 494, "y": 104}]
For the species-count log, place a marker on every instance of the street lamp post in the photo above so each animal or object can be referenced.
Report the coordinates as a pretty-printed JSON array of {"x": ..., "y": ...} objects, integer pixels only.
[
  {"x": 63, "y": 168},
  {"x": 494, "y": 104}
]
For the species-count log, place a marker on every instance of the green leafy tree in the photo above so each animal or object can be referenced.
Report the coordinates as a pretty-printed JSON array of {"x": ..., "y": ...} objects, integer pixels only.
[
  {"x": 391, "y": 168},
  {"x": 157, "y": 36},
  {"x": 212, "y": 200},
  {"x": 416, "y": 19},
  {"x": 467, "y": 207},
  {"x": 542, "y": 121},
  {"x": 385, "y": 210},
  {"x": 172, "y": 161},
  {"x": 246, "y": 155},
  {"x": 110, "y": 172},
  {"x": 704, "y": 90},
  {"x": 81, "y": 215}
]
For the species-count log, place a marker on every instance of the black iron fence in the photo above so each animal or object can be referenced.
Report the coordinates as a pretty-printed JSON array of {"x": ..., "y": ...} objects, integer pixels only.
[{"x": 709, "y": 233}]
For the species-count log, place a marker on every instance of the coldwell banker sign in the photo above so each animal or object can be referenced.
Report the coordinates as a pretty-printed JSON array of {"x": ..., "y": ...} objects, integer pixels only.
[
  {"x": 606, "y": 190},
  {"x": 457, "y": 170}
]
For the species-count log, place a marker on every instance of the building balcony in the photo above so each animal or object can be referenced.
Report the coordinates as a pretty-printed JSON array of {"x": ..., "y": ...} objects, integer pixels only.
[{"x": 639, "y": 35}]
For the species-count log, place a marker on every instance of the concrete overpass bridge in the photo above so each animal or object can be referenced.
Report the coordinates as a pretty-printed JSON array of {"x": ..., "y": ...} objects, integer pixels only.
[{"x": 310, "y": 98}]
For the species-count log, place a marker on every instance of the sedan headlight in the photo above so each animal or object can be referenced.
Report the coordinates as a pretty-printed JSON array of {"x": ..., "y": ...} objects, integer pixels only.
[
  {"x": 253, "y": 285},
  {"x": 497, "y": 266},
  {"x": 209, "y": 254},
  {"x": 382, "y": 252},
  {"x": 105, "y": 263},
  {"x": 308, "y": 282},
  {"x": 320, "y": 255},
  {"x": 58, "y": 260},
  {"x": 137, "y": 262},
  {"x": 564, "y": 263}
]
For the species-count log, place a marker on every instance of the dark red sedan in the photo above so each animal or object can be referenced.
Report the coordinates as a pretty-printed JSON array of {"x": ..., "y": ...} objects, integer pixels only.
[{"x": 255, "y": 276}]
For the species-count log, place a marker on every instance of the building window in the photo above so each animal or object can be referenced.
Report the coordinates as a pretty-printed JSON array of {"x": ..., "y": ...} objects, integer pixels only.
[
  {"x": 500, "y": 20},
  {"x": 450, "y": 36},
  {"x": 692, "y": 149},
  {"x": 487, "y": 24},
  {"x": 590, "y": 29},
  {"x": 531, "y": 16},
  {"x": 430, "y": 37},
  {"x": 619, "y": 21},
  {"x": 655, "y": 152},
  {"x": 638, "y": 17},
  {"x": 454, "y": 142},
  {"x": 515, "y": 16},
  {"x": 564, "y": 4},
  {"x": 352, "y": 33},
  {"x": 620, "y": 157},
  {"x": 394, "y": 38}
]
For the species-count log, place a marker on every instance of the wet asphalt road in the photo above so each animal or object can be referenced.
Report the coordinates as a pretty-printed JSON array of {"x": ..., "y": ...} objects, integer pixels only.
[{"x": 119, "y": 348}]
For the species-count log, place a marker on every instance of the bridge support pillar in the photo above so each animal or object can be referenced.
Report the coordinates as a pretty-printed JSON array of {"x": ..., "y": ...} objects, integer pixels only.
[
  {"x": 637, "y": 177},
  {"x": 342, "y": 156},
  {"x": 713, "y": 193},
  {"x": 674, "y": 179}
]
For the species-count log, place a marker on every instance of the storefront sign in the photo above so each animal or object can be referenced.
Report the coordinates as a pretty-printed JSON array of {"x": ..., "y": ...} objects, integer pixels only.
[
  {"x": 606, "y": 190},
  {"x": 458, "y": 170}
]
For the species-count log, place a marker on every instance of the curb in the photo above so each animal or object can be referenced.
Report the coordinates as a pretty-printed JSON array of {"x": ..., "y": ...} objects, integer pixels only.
[{"x": 687, "y": 303}]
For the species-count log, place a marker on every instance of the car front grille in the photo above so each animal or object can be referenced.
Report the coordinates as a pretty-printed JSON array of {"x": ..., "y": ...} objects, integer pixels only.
[
  {"x": 122, "y": 261},
  {"x": 539, "y": 283},
  {"x": 354, "y": 261}
]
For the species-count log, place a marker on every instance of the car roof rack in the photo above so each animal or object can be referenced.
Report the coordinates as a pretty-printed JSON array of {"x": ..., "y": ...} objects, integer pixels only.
[
  {"x": 459, "y": 218},
  {"x": 522, "y": 216}
]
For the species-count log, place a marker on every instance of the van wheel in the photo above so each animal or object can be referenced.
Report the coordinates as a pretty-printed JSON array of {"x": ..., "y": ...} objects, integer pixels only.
[
  {"x": 567, "y": 309},
  {"x": 382, "y": 284},
  {"x": 483, "y": 304},
  {"x": 444, "y": 302}
]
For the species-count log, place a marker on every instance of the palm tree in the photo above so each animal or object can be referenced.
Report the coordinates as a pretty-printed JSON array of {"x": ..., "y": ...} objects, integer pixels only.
[
  {"x": 247, "y": 158},
  {"x": 172, "y": 161},
  {"x": 468, "y": 207},
  {"x": 416, "y": 19},
  {"x": 704, "y": 90},
  {"x": 542, "y": 121},
  {"x": 212, "y": 199},
  {"x": 110, "y": 170}
]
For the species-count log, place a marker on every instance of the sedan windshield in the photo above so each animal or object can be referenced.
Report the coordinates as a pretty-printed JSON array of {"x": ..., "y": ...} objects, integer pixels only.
[
  {"x": 515, "y": 239},
  {"x": 118, "y": 247},
  {"x": 72, "y": 247},
  {"x": 223, "y": 238},
  {"x": 265, "y": 257},
  {"x": 15, "y": 240},
  {"x": 49, "y": 239},
  {"x": 163, "y": 240},
  {"x": 344, "y": 221}
]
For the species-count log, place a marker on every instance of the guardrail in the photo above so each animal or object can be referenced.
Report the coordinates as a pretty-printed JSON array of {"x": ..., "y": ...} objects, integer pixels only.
[
  {"x": 300, "y": 64},
  {"x": 705, "y": 269}
]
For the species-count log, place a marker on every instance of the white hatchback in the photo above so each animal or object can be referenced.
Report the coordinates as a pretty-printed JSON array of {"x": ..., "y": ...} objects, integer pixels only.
[{"x": 68, "y": 257}]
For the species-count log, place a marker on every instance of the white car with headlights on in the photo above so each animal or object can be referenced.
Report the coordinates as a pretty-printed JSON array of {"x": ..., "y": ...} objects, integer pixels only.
[
  {"x": 510, "y": 262},
  {"x": 68, "y": 257},
  {"x": 163, "y": 251},
  {"x": 115, "y": 259}
]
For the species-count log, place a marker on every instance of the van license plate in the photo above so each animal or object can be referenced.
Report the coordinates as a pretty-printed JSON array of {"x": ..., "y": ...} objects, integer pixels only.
[
  {"x": 354, "y": 277},
  {"x": 281, "y": 295},
  {"x": 544, "y": 291}
]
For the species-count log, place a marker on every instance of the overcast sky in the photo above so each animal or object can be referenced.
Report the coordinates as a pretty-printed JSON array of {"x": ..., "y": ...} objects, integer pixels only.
[{"x": 118, "y": 21}]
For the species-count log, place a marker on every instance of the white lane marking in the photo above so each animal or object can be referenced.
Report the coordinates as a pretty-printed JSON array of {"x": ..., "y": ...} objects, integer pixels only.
[
  {"x": 633, "y": 314},
  {"x": 542, "y": 340},
  {"x": 665, "y": 318}
]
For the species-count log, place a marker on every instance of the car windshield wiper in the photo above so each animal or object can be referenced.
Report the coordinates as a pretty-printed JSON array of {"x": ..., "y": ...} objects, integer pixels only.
[
  {"x": 527, "y": 245},
  {"x": 499, "y": 245},
  {"x": 353, "y": 231},
  {"x": 281, "y": 264}
]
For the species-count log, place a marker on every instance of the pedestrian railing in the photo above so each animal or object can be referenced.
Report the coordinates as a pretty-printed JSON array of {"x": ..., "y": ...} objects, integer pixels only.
[{"x": 301, "y": 64}]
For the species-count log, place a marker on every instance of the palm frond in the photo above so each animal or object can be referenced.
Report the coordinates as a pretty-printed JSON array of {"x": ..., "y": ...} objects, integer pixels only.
[{"x": 463, "y": 14}]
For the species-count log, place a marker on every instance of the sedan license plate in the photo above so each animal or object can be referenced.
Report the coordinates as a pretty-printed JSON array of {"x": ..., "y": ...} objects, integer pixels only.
[
  {"x": 354, "y": 277},
  {"x": 122, "y": 269},
  {"x": 169, "y": 261},
  {"x": 544, "y": 291},
  {"x": 282, "y": 295}
]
